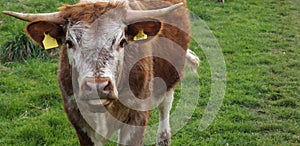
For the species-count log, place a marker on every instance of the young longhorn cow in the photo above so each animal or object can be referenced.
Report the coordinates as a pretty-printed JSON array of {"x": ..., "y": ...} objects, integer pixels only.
[{"x": 107, "y": 73}]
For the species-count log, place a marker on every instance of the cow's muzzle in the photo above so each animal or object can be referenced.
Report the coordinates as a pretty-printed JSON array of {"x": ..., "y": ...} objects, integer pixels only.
[
  {"x": 103, "y": 87},
  {"x": 97, "y": 93}
]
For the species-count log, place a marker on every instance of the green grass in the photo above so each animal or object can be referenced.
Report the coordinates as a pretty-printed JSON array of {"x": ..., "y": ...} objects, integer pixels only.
[{"x": 260, "y": 41}]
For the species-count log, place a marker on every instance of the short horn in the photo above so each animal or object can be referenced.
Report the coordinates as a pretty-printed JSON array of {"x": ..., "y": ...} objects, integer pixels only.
[
  {"x": 139, "y": 14},
  {"x": 54, "y": 17}
]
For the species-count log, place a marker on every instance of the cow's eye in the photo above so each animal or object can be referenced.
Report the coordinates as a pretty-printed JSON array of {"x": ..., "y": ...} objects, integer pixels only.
[
  {"x": 69, "y": 44},
  {"x": 123, "y": 43}
]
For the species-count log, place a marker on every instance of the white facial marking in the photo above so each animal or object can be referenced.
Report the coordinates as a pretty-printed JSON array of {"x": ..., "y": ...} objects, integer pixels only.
[{"x": 95, "y": 48}]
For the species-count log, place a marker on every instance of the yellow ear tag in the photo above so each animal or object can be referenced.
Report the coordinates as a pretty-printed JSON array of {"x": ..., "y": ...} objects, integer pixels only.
[
  {"x": 140, "y": 36},
  {"x": 49, "y": 42}
]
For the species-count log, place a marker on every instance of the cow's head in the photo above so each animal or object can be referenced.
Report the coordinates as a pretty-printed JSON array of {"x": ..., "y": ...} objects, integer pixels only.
[{"x": 95, "y": 35}]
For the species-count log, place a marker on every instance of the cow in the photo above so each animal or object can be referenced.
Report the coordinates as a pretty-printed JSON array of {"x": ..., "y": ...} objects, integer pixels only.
[{"x": 118, "y": 59}]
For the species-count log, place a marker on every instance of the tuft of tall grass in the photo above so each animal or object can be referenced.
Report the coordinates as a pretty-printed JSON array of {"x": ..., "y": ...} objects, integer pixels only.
[{"x": 21, "y": 48}]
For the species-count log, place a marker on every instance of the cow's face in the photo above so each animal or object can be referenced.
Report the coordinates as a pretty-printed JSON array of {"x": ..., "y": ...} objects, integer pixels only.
[
  {"x": 96, "y": 52},
  {"x": 96, "y": 44}
]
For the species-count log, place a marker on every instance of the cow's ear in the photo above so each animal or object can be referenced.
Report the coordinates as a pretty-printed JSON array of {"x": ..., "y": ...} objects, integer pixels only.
[
  {"x": 38, "y": 29},
  {"x": 143, "y": 31}
]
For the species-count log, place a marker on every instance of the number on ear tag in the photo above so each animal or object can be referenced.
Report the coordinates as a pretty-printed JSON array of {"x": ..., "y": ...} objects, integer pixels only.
[
  {"x": 49, "y": 42},
  {"x": 140, "y": 36}
]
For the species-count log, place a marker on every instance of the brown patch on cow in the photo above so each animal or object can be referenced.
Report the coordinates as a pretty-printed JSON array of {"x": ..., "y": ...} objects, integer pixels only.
[
  {"x": 65, "y": 73},
  {"x": 87, "y": 12},
  {"x": 171, "y": 70},
  {"x": 140, "y": 77}
]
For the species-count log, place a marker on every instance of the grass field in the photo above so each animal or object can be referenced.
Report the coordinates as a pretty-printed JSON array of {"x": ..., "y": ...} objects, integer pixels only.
[{"x": 260, "y": 41}]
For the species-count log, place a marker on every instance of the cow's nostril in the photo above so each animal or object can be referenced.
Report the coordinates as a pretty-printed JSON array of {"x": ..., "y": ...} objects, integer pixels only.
[
  {"x": 97, "y": 85},
  {"x": 108, "y": 87},
  {"x": 102, "y": 86}
]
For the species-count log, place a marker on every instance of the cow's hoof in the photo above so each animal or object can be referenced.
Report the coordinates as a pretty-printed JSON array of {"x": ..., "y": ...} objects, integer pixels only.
[
  {"x": 166, "y": 142},
  {"x": 164, "y": 139}
]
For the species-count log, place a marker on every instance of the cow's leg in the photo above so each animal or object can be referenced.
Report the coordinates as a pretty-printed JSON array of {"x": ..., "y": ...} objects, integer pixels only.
[
  {"x": 164, "y": 130},
  {"x": 132, "y": 133},
  {"x": 105, "y": 126}
]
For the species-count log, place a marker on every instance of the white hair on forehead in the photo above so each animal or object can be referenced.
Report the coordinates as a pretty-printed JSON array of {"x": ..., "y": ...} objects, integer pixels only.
[
  {"x": 103, "y": 35},
  {"x": 75, "y": 32},
  {"x": 100, "y": 33}
]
